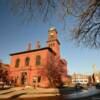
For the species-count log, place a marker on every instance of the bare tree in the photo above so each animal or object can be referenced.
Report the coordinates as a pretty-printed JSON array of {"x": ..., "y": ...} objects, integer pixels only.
[
  {"x": 54, "y": 70},
  {"x": 88, "y": 30},
  {"x": 87, "y": 11}
]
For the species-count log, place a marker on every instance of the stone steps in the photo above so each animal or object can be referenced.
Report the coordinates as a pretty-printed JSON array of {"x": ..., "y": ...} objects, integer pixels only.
[
  {"x": 6, "y": 91},
  {"x": 11, "y": 94}
]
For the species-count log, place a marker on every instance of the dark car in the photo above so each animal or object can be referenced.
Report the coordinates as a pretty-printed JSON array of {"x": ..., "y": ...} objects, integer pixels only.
[
  {"x": 1, "y": 84},
  {"x": 97, "y": 85},
  {"x": 78, "y": 87}
]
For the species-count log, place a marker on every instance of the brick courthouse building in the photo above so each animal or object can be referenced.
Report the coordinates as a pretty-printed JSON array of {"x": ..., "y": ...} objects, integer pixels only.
[{"x": 28, "y": 67}]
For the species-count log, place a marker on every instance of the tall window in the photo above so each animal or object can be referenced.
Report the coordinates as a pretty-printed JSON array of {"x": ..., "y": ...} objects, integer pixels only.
[
  {"x": 27, "y": 61},
  {"x": 17, "y": 63},
  {"x": 38, "y": 60}
]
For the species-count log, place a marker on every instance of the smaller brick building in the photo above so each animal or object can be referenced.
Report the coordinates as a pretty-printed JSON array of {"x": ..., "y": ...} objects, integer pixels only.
[
  {"x": 30, "y": 67},
  {"x": 4, "y": 72}
]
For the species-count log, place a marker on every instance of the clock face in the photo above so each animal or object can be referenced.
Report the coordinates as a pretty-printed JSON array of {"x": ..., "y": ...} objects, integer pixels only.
[{"x": 51, "y": 33}]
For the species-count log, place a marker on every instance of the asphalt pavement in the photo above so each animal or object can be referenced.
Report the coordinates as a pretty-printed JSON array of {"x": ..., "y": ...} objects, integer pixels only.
[{"x": 30, "y": 92}]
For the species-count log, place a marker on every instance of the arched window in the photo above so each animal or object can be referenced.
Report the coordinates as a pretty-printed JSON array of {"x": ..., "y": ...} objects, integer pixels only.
[
  {"x": 27, "y": 61},
  {"x": 38, "y": 60},
  {"x": 17, "y": 63}
]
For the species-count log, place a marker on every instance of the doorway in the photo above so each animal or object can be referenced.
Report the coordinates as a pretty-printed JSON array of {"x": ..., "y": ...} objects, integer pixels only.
[{"x": 24, "y": 78}]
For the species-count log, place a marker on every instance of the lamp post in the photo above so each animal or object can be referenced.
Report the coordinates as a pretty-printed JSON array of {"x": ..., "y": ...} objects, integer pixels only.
[{"x": 96, "y": 77}]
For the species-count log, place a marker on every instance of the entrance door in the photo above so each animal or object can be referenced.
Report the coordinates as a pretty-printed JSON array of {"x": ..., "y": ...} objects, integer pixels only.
[
  {"x": 24, "y": 78},
  {"x": 36, "y": 81}
]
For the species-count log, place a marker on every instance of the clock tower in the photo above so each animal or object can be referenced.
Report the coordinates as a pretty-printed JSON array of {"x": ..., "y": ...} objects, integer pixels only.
[{"x": 53, "y": 41}]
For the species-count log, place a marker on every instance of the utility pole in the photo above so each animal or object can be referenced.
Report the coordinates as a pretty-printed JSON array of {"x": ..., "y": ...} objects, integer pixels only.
[
  {"x": 95, "y": 74},
  {"x": 94, "y": 68}
]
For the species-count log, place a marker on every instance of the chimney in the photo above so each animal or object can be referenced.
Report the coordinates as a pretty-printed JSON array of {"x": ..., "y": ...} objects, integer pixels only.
[
  {"x": 0, "y": 63},
  {"x": 37, "y": 45},
  {"x": 29, "y": 46}
]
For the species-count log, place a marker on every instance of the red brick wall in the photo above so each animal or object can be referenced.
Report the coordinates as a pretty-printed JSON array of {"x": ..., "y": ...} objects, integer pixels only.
[{"x": 32, "y": 69}]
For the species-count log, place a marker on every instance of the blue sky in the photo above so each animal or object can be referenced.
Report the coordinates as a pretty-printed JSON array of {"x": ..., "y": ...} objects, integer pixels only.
[{"x": 15, "y": 35}]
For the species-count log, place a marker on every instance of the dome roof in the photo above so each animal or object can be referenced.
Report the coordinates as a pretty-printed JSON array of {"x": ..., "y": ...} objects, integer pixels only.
[{"x": 52, "y": 28}]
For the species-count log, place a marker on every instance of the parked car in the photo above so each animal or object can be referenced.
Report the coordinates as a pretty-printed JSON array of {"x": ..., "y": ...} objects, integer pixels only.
[
  {"x": 1, "y": 84},
  {"x": 97, "y": 85},
  {"x": 78, "y": 87}
]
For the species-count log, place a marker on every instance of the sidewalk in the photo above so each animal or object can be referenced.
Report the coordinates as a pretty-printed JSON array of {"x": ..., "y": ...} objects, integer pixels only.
[
  {"x": 22, "y": 92},
  {"x": 41, "y": 90}
]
